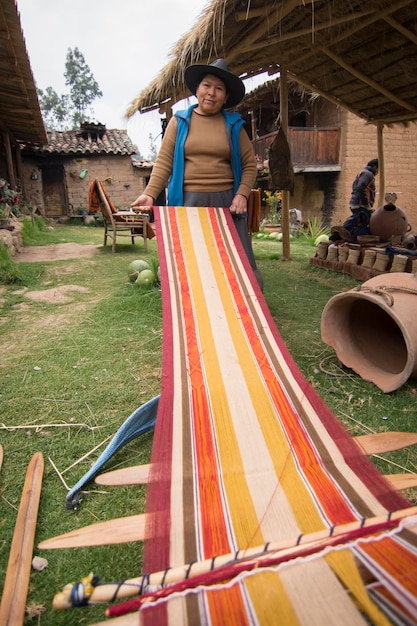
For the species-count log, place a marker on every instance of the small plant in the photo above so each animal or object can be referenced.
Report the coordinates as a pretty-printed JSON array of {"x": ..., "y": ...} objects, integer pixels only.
[
  {"x": 9, "y": 270},
  {"x": 31, "y": 228},
  {"x": 154, "y": 265},
  {"x": 9, "y": 199},
  {"x": 315, "y": 228},
  {"x": 273, "y": 200}
]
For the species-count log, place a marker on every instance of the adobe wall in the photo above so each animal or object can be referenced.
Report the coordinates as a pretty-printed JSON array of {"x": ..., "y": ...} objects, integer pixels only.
[
  {"x": 359, "y": 145},
  {"x": 123, "y": 182}
]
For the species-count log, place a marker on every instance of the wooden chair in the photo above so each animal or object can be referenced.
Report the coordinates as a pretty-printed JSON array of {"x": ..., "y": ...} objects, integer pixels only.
[{"x": 121, "y": 223}]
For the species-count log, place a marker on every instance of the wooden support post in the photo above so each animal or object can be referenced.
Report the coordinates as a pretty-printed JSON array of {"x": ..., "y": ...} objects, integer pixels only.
[
  {"x": 381, "y": 168},
  {"x": 285, "y": 205},
  {"x": 9, "y": 161}
]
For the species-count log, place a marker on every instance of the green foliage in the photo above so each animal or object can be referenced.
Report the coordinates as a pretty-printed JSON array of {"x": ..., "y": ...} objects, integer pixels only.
[
  {"x": 154, "y": 265},
  {"x": 84, "y": 89},
  {"x": 62, "y": 112},
  {"x": 55, "y": 109},
  {"x": 153, "y": 149},
  {"x": 9, "y": 199},
  {"x": 12, "y": 273},
  {"x": 31, "y": 229},
  {"x": 315, "y": 228},
  {"x": 9, "y": 270}
]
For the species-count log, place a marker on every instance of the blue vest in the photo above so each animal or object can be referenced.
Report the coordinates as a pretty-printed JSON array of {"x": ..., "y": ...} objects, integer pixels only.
[{"x": 234, "y": 123}]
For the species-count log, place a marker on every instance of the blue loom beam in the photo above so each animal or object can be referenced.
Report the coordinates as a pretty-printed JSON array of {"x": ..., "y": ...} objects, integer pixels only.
[{"x": 138, "y": 423}]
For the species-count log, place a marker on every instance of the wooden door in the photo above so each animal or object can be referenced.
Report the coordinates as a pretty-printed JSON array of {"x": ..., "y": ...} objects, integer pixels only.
[{"x": 54, "y": 196}]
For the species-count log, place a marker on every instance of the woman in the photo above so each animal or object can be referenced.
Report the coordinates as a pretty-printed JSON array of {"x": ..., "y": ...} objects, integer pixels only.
[{"x": 206, "y": 157}]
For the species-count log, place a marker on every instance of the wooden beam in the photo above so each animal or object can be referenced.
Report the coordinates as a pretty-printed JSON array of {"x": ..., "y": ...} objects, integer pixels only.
[
  {"x": 9, "y": 160},
  {"x": 368, "y": 81},
  {"x": 259, "y": 31},
  {"x": 322, "y": 93},
  {"x": 278, "y": 39},
  {"x": 401, "y": 29},
  {"x": 371, "y": 20},
  {"x": 394, "y": 119}
]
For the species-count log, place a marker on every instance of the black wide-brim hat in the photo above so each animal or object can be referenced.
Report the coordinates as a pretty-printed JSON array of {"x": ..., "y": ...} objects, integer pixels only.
[{"x": 194, "y": 74}]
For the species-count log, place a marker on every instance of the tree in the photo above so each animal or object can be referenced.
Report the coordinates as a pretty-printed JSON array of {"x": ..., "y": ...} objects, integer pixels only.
[
  {"x": 84, "y": 89},
  {"x": 153, "y": 149},
  {"x": 70, "y": 110},
  {"x": 55, "y": 109}
]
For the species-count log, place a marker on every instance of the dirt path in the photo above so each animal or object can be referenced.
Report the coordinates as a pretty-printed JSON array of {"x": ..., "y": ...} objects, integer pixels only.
[{"x": 57, "y": 252}]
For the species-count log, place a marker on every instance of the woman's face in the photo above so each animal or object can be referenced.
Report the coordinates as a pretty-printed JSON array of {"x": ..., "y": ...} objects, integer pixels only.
[{"x": 211, "y": 95}]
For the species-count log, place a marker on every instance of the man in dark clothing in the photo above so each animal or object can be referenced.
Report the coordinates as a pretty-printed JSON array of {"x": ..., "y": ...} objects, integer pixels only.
[
  {"x": 361, "y": 203},
  {"x": 363, "y": 188}
]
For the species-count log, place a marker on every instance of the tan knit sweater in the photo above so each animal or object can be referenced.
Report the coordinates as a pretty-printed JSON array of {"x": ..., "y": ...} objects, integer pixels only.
[{"x": 207, "y": 158}]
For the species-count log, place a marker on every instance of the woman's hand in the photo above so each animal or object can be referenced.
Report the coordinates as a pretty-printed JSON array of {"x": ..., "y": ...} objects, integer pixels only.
[
  {"x": 239, "y": 204},
  {"x": 143, "y": 200}
]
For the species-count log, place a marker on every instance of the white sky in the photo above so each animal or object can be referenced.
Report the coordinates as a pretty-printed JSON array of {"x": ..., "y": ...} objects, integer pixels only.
[{"x": 125, "y": 43}]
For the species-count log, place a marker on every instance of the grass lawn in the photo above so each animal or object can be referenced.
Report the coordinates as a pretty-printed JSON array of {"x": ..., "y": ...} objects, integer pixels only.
[{"x": 72, "y": 371}]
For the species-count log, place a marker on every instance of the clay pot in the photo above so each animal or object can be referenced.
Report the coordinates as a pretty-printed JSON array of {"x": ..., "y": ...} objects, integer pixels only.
[
  {"x": 388, "y": 221},
  {"x": 373, "y": 329}
]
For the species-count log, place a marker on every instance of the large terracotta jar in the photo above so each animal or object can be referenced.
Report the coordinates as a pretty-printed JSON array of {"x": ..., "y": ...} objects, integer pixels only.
[
  {"x": 388, "y": 221},
  {"x": 373, "y": 329}
]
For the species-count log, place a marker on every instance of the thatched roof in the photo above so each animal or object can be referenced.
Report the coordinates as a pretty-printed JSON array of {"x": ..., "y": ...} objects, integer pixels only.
[
  {"x": 20, "y": 114},
  {"x": 360, "y": 55}
]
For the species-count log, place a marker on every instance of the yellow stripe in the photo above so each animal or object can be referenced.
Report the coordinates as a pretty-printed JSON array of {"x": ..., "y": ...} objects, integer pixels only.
[
  {"x": 343, "y": 564},
  {"x": 276, "y": 603}
]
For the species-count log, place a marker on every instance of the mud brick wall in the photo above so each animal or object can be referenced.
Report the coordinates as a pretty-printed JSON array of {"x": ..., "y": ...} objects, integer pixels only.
[
  {"x": 359, "y": 145},
  {"x": 122, "y": 180}
]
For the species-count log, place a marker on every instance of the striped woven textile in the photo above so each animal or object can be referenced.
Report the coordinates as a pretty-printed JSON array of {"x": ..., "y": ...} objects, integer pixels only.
[{"x": 246, "y": 457}]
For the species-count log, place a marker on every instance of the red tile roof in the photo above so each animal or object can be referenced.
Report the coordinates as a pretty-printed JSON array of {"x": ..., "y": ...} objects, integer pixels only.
[{"x": 86, "y": 141}]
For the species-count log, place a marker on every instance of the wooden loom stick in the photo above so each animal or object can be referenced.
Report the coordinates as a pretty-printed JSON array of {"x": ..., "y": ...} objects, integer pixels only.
[
  {"x": 125, "y": 529},
  {"x": 130, "y": 619},
  {"x": 135, "y": 475},
  {"x": 407, "y": 480},
  {"x": 132, "y": 528},
  {"x": 110, "y": 592},
  {"x": 377, "y": 443},
  {"x": 119, "y": 530},
  {"x": 13, "y": 602}
]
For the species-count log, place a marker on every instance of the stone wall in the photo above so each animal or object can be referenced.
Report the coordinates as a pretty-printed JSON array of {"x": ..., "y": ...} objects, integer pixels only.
[{"x": 12, "y": 236}]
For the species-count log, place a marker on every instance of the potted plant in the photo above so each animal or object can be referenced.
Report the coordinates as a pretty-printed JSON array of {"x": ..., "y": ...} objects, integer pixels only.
[
  {"x": 8, "y": 199},
  {"x": 273, "y": 219}
]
